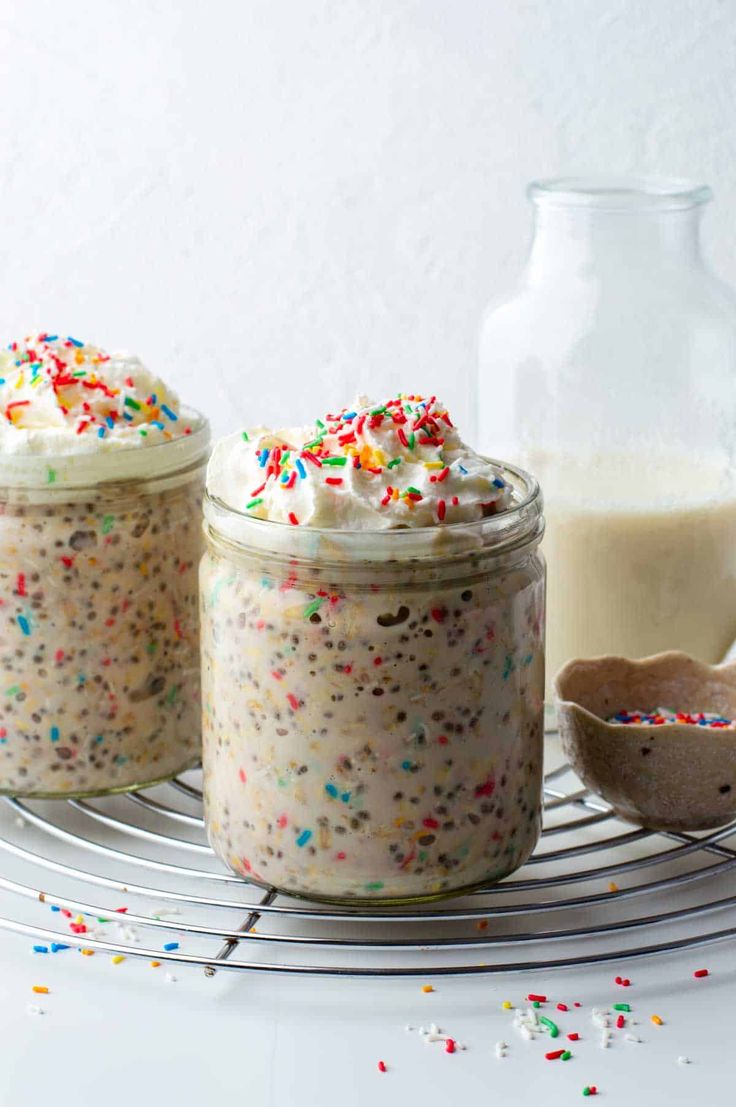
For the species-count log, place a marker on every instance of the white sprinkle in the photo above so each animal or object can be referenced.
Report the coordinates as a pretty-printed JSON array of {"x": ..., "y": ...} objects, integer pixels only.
[
  {"x": 434, "y": 1028},
  {"x": 20, "y": 823},
  {"x": 631, "y": 1038},
  {"x": 170, "y": 978},
  {"x": 501, "y": 1049},
  {"x": 436, "y": 1038},
  {"x": 605, "y": 1039},
  {"x": 684, "y": 1061},
  {"x": 409, "y": 1028},
  {"x": 32, "y": 1009},
  {"x": 527, "y": 1033}
]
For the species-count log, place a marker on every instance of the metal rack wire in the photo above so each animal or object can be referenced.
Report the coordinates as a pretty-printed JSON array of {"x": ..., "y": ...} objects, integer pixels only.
[{"x": 596, "y": 889}]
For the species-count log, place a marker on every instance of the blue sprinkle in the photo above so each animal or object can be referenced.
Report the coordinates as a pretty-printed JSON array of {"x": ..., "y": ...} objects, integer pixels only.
[
  {"x": 51, "y": 338},
  {"x": 263, "y": 458},
  {"x": 55, "y": 734},
  {"x": 54, "y": 907},
  {"x": 168, "y": 946},
  {"x": 350, "y": 414},
  {"x": 463, "y": 469},
  {"x": 57, "y": 946},
  {"x": 304, "y": 837},
  {"x": 75, "y": 341},
  {"x": 100, "y": 738},
  {"x": 406, "y": 766},
  {"x": 284, "y": 478},
  {"x": 331, "y": 790},
  {"x": 169, "y": 413},
  {"x": 110, "y": 422},
  {"x": 2, "y": 380},
  {"x": 345, "y": 797},
  {"x": 300, "y": 468},
  {"x": 157, "y": 424},
  {"x": 24, "y": 625},
  {"x": 40, "y": 949},
  {"x": 127, "y": 417},
  {"x": 498, "y": 483},
  {"x": 101, "y": 432},
  {"x": 154, "y": 399}
]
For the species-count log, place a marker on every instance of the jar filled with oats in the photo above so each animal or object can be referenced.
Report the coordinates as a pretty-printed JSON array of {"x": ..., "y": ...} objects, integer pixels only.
[
  {"x": 101, "y": 476},
  {"x": 373, "y": 657}
]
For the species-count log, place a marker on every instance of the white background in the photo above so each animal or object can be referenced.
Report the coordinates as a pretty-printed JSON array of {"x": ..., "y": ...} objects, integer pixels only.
[{"x": 278, "y": 201}]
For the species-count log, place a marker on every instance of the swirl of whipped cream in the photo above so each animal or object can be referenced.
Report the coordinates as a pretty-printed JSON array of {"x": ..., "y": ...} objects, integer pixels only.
[
  {"x": 60, "y": 396},
  {"x": 396, "y": 464}
]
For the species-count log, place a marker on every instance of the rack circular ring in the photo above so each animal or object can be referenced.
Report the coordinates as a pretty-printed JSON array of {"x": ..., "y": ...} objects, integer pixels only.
[{"x": 595, "y": 890}]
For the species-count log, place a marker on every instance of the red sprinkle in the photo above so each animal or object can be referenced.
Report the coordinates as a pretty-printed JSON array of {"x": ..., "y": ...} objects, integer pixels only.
[
  {"x": 21, "y": 587},
  {"x": 441, "y": 509},
  {"x": 532, "y": 997},
  {"x": 700, "y": 973},
  {"x": 293, "y": 701},
  {"x": 331, "y": 480},
  {"x": 450, "y": 1046},
  {"x": 574, "y": 1037},
  {"x": 293, "y": 519},
  {"x": 381, "y": 1066},
  {"x": 554, "y": 1055},
  {"x": 243, "y": 777},
  {"x": 562, "y": 1007},
  {"x": 620, "y": 1022}
]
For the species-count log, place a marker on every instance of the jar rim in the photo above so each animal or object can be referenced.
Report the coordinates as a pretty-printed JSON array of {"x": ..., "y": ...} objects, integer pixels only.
[
  {"x": 128, "y": 463},
  {"x": 514, "y": 525},
  {"x": 619, "y": 194}
]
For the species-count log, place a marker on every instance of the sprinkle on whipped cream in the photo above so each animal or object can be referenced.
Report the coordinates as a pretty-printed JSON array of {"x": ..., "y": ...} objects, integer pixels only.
[
  {"x": 372, "y": 466},
  {"x": 59, "y": 395}
]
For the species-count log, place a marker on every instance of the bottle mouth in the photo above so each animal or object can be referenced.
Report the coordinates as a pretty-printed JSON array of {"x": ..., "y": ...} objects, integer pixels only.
[{"x": 624, "y": 194}]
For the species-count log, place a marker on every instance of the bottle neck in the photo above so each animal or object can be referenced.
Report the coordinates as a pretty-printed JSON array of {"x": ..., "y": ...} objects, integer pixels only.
[{"x": 599, "y": 241}]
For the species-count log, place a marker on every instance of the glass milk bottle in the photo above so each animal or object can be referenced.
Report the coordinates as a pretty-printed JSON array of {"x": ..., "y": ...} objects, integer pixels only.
[{"x": 611, "y": 373}]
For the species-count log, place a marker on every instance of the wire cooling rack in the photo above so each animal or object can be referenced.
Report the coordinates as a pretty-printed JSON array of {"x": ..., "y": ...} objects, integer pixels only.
[{"x": 596, "y": 889}]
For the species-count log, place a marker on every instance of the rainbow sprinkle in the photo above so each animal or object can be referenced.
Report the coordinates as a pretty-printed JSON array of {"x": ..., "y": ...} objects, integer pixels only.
[{"x": 664, "y": 715}]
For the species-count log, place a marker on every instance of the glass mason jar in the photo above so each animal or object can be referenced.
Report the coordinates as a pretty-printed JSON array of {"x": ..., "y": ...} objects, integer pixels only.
[
  {"x": 373, "y": 701},
  {"x": 99, "y": 618},
  {"x": 611, "y": 372}
]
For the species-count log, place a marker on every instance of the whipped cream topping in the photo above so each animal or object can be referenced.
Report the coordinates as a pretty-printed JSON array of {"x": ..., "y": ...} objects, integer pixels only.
[
  {"x": 382, "y": 466},
  {"x": 60, "y": 396}
]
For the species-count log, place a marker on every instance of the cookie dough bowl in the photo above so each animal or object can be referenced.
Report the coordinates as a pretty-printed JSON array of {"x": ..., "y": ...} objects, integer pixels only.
[
  {"x": 99, "y": 618},
  {"x": 373, "y": 702}
]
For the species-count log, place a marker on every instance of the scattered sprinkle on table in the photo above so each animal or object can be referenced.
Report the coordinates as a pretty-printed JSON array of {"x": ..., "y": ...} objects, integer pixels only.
[
  {"x": 117, "y": 959},
  {"x": 427, "y": 988},
  {"x": 168, "y": 946},
  {"x": 40, "y": 989},
  {"x": 590, "y": 1089},
  {"x": 155, "y": 964},
  {"x": 700, "y": 973},
  {"x": 87, "y": 952},
  {"x": 382, "y": 1066},
  {"x": 612, "y": 886},
  {"x": 657, "y": 1020},
  {"x": 507, "y": 1005}
]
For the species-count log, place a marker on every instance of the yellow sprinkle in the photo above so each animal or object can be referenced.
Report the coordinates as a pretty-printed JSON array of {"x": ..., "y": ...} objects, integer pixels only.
[
  {"x": 79, "y": 919},
  {"x": 20, "y": 380},
  {"x": 398, "y": 821},
  {"x": 88, "y": 952},
  {"x": 41, "y": 989},
  {"x": 117, "y": 959},
  {"x": 155, "y": 964},
  {"x": 657, "y": 1021},
  {"x": 79, "y": 357},
  {"x": 395, "y": 494},
  {"x": 613, "y": 886},
  {"x": 507, "y": 1005},
  {"x": 434, "y": 464},
  {"x": 427, "y": 988}
]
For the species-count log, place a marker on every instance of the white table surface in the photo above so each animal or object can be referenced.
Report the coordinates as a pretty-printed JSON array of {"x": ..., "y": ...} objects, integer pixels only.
[{"x": 117, "y": 1035}]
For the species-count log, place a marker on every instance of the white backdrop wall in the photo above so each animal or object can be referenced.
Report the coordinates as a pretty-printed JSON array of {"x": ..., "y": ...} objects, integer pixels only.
[{"x": 277, "y": 202}]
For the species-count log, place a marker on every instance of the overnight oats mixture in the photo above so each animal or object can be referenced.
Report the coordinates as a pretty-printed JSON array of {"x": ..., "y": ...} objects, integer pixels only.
[
  {"x": 373, "y": 658},
  {"x": 101, "y": 477}
]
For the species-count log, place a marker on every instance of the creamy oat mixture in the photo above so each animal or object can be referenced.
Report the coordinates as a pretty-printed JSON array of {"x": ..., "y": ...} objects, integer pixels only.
[
  {"x": 372, "y": 725},
  {"x": 100, "y": 491}
]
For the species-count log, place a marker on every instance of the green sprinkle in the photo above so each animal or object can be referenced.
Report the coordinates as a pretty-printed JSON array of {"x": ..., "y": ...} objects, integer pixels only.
[
  {"x": 320, "y": 424},
  {"x": 285, "y": 457},
  {"x": 172, "y": 694},
  {"x": 51, "y": 476},
  {"x": 80, "y": 373},
  {"x": 374, "y": 886},
  {"x": 245, "y": 436},
  {"x": 311, "y": 445},
  {"x": 378, "y": 411},
  {"x": 411, "y": 438},
  {"x": 108, "y": 523},
  {"x": 143, "y": 433},
  {"x": 586, "y": 1090},
  {"x": 554, "y": 1030},
  {"x": 130, "y": 402},
  {"x": 254, "y": 503},
  {"x": 536, "y": 1003},
  {"x": 566, "y": 1055},
  {"x": 151, "y": 647},
  {"x": 13, "y": 691},
  {"x": 413, "y": 490},
  {"x": 393, "y": 463},
  {"x": 334, "y": 460},
  {"x": 315, "y": 605},
  {"x": 622, "y": 1007},
  {"x": 103, "y": 920}
]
